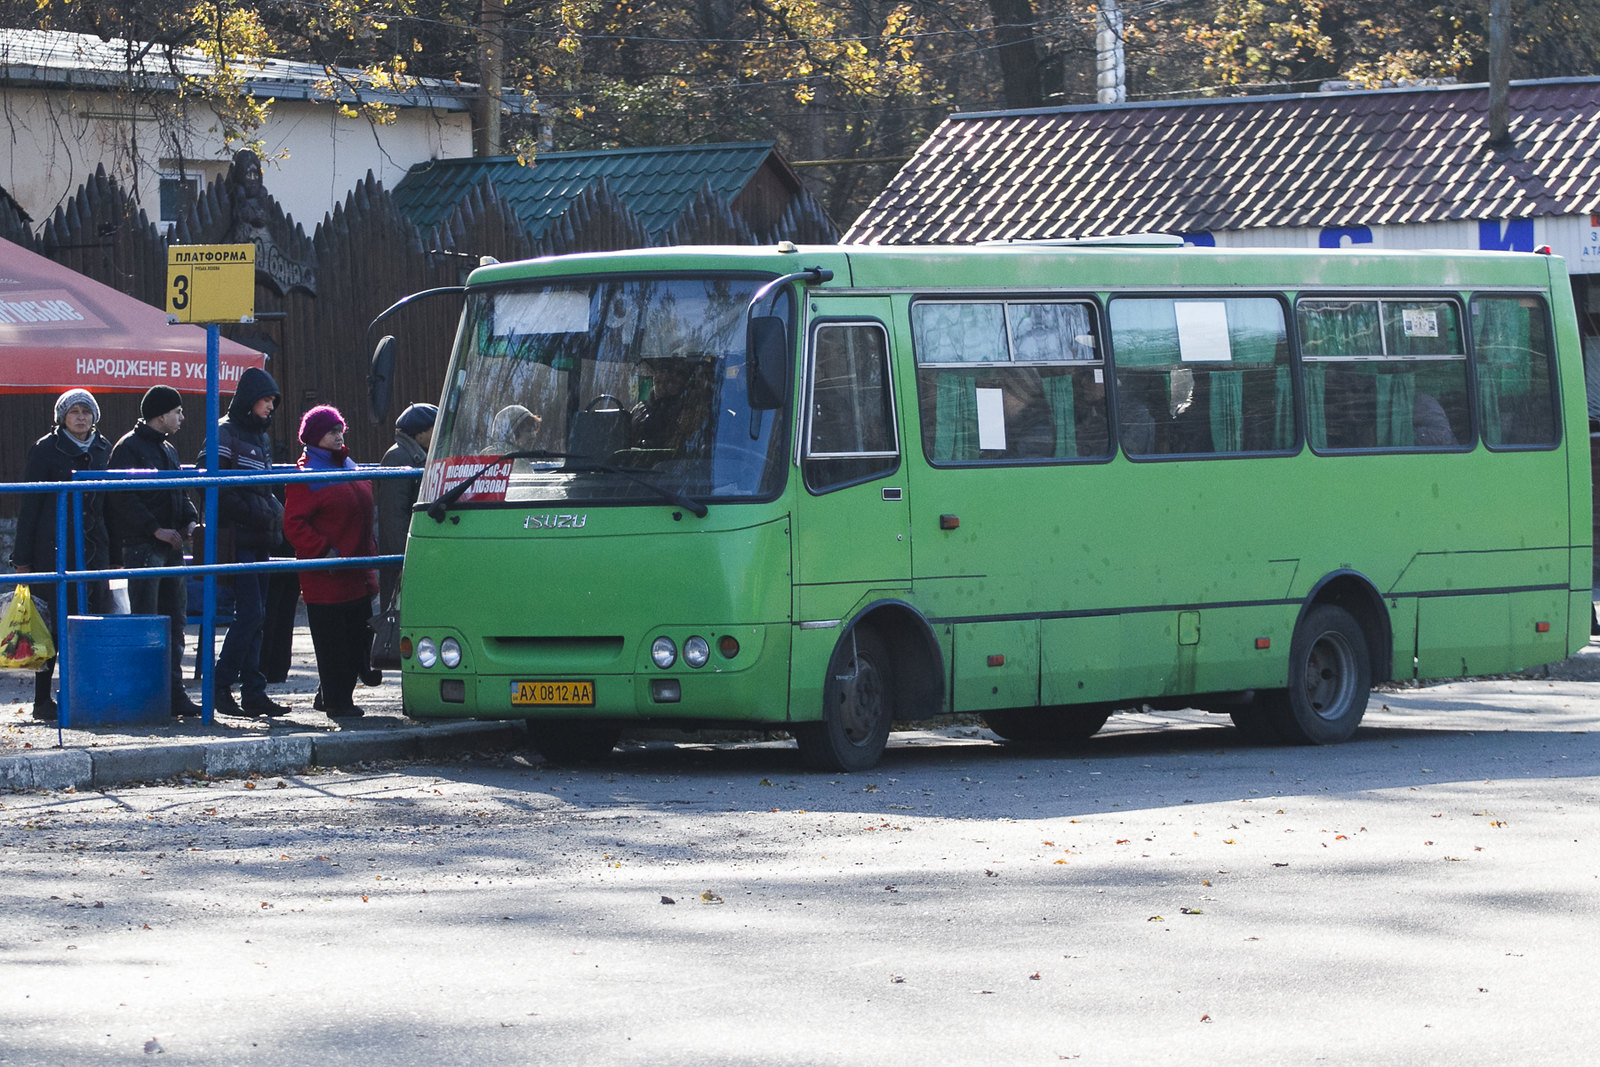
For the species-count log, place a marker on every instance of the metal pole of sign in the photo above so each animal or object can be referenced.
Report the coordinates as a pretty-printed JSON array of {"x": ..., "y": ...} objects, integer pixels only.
[
  {"x": 205, "y": 653},
  {"x": 63, "y": 600}
]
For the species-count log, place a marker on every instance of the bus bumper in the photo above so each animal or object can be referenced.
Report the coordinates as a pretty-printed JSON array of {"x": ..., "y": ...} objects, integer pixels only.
[{"x": 751, "y": 688}]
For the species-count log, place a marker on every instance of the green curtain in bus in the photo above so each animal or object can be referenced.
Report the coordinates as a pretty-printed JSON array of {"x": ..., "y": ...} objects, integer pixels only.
[
  {"x": 1227, "y": 410},
  {"x": 955, "y": 418},
  {"x": 1397, "y": 394},
  {"x": 1283, "y": 410},
  {"x": 1501, "y": 331},
  {"x": 1058, "y": 391},
  {"x": 1316, "y": 410}
]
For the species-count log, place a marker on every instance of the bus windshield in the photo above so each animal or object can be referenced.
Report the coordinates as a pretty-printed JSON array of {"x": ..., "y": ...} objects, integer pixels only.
[{"x": 612, "y": 391}]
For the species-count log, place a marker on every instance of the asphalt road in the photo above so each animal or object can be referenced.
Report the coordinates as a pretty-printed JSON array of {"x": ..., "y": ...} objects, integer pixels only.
[{"x": 1424, "y": 894}]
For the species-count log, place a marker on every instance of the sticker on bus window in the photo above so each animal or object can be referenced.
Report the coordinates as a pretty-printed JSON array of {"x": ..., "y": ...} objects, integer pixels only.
[
  {"x": 991, "y": 419},
  {"x": 1419, "y": 322},
  {"x": 444, "y": 474}
]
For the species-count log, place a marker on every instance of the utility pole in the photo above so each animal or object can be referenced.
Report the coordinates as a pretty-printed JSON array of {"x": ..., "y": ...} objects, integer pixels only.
[
  {"x": 1499, "y": 74},
  {"x": 1110, "y": 76},
  {"x": 486, "y": 134}
]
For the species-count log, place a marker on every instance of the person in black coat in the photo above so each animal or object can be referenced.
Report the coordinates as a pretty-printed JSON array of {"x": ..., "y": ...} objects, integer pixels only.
[
  {"x": 152, "y": 525},
  {"x": 253, "y": 518},
  {"x": 73, "y": 445}
]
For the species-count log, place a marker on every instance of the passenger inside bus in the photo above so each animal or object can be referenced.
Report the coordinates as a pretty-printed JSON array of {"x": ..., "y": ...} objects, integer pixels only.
[{"x": 513, "y": 429}]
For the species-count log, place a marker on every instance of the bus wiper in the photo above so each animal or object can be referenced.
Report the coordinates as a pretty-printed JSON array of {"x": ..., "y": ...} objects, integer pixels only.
[
  {"x": 671, "y": 496},
  {"x": 441, "y": 506}
]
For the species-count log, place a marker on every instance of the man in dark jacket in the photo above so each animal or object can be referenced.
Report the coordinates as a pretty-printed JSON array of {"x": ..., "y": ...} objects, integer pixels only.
[
  {"x": 71, "y": 446},
  {"x": 254, "y": 518},
  {"x": 152, "y": 525}
]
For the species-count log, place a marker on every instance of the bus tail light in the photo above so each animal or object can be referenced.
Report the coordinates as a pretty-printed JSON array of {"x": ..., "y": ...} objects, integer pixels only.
[
  {"x": 997, "y": 661},
  {"x": 1541, "y": 627},
  {"x": 1263, "y": 643},
  {"x": 949, "y": 522}
]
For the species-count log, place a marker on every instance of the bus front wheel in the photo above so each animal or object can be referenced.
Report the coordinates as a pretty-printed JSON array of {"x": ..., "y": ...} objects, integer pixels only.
[
  {"x": 1330, "y": 677},
  {"x": 857, "y": 707}
]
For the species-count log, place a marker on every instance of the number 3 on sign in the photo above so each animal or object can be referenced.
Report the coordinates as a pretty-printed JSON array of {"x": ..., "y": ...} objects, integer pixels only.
[{"x": 180, "y": 292}]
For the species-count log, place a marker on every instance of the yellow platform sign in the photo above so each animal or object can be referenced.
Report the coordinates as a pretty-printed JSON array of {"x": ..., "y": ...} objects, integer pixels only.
[{"x": 211, "y": 283}]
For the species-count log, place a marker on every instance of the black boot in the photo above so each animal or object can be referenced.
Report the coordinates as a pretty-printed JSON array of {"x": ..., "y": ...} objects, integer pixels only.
[
  {"x": 44, "y": 707},
  {"x": 222, "y": 700}
]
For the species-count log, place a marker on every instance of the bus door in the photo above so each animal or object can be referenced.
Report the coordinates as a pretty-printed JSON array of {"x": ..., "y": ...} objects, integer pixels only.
[{"x": 852, "y": 529}]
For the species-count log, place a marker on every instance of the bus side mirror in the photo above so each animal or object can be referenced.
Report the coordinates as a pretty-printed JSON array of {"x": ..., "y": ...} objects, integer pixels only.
[
  {"x": 767, "y": 362},
  {"x": 380, "y": 379}
]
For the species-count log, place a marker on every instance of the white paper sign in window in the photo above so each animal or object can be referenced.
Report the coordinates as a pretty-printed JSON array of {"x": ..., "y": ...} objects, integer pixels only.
[
  {"x": 991, "y": 419},
  {"x": 1203, "y": 331}
]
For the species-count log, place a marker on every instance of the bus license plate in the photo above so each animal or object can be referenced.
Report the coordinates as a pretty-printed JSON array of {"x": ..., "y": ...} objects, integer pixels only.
[{"x": 553, "y": 694}]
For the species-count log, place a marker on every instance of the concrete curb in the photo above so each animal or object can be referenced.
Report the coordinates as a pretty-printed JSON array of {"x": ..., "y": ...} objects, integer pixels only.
[{"x": 105, "y": 768}]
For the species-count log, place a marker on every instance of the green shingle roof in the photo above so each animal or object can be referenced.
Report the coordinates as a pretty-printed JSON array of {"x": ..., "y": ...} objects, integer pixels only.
[{"x": 656, "y": 184}]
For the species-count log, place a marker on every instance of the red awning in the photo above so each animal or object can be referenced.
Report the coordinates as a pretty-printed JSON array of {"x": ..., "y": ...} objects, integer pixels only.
[{"x": 60, "y": 329}]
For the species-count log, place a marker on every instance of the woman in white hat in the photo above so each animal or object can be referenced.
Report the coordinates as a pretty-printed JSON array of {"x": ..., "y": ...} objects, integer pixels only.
[{"x": 72, "y": 445}]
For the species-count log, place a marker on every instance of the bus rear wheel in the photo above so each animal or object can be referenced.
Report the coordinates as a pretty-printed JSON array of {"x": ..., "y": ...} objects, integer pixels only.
[
  {"x": 1051, "y": 726},
  {"x": 1330, "y": 678},
  {"x": 857, "y": 707},
  {"x": 567, "y": 742}
]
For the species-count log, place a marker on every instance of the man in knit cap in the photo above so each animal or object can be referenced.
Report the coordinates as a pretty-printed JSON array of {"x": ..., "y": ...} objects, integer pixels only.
[
  {"x": 413, "y": 433},
  {"x": 152, "y": 525}
]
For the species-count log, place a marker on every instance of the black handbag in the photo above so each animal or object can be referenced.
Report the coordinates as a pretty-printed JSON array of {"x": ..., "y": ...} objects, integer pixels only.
[{"x": 385, "y": 627}]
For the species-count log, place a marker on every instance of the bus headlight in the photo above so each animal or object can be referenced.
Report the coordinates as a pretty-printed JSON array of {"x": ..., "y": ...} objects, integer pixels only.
[
  {"x": 450, "y": 652},
  {"x": 427, "y": 652},
  {"x": 696, "y": 651},
  {"x": 663, "y": 653}
]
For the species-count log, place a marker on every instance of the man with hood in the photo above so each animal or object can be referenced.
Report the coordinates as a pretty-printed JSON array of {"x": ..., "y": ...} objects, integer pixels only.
[
  {"x": 254, "y": 518},
  {"x": 152, "y": 525},
  {"x": 71, "y": 445}
]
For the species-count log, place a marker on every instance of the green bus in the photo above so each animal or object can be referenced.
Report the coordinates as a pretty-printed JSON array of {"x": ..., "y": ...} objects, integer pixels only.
[{"x": 824, "y": 489}]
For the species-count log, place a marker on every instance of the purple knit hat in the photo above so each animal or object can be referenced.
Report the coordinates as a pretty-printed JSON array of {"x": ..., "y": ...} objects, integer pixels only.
[{"x": 315, "y": 423}]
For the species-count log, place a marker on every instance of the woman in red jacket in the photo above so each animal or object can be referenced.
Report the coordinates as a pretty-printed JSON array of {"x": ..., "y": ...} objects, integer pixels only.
[{"x": 327, "y": 520}]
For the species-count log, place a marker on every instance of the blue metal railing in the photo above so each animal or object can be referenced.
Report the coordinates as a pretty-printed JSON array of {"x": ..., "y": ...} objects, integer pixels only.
[{"x": 72, "y": 580}]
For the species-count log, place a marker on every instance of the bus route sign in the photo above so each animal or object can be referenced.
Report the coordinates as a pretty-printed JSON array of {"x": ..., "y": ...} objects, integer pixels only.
[{"x": 211, "y": 283}]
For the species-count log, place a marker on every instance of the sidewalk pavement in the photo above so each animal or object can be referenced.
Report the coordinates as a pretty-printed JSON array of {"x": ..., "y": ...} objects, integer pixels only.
[{"x": 35, "y": 755}]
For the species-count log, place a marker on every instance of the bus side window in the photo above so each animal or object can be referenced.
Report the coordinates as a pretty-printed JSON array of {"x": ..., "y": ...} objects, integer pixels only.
[
  {"x": 1512, "y": 356},
  {"x": 1384, "y": 373},
  {"x": 1009, "y": 381},
  {"x": 1202, "y": 376},
  {"x": 850, "y": 435}
]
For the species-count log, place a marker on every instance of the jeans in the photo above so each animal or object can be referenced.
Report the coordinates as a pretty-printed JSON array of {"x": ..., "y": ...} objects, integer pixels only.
[
  {"x": 240, "y": 658},
  {"x": 160, "y": 596}
]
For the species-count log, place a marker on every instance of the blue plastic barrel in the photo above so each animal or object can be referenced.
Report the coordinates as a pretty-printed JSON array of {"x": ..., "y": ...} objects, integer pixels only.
[{"x": 117, "y": 669}]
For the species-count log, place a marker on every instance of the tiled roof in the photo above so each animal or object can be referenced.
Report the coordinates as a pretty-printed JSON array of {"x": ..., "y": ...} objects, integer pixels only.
[
  {"x": 1380, "y": 157},
  {"x": 657, "y": 184}
]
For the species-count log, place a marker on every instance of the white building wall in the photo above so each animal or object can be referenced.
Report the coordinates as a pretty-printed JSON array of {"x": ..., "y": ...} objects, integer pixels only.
[
  {"x": 1575, "y": 238},
  {"x": 313, "y": 154}
]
